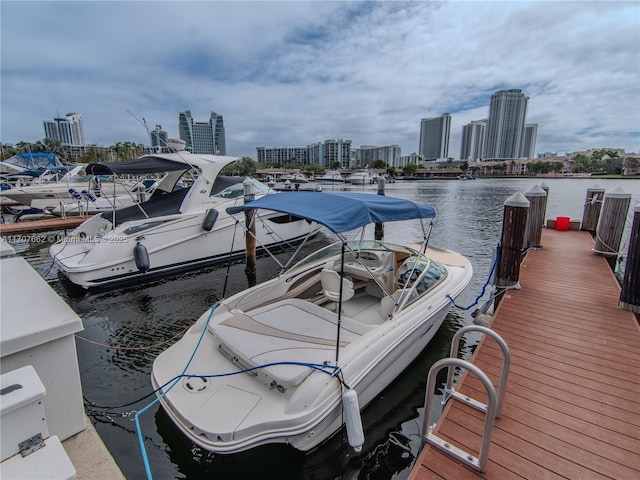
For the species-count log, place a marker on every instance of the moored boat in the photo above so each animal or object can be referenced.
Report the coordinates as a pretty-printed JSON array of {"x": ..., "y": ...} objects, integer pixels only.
[
  {"x": 278, "y": 362},
  {"x": 183, "y": 225}
]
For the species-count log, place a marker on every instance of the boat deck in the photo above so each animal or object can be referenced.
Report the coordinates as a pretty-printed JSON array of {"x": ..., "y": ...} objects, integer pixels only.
[{"x": 571, "y": 403}]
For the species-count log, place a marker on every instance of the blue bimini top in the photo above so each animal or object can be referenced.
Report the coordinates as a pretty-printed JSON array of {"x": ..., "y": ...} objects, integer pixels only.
[{"x": 340, "y": 211}]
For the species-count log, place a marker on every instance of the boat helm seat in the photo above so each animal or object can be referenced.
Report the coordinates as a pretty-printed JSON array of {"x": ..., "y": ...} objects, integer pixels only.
[{"x": 330, "y": 281}]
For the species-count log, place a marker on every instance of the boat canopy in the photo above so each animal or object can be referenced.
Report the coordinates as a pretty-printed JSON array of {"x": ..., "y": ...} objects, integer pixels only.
[
  {"x": 136, "y": 166},
  {"x": 158, "y": 163},
  {"x": 338, "y": 211},
  {"x": 33, "y": 161}
]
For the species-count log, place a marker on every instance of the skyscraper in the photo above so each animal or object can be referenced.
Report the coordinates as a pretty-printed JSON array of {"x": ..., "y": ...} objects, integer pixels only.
[
  {"x": 203, "y": 137},
  {"x": 68, "y": 130},
  {"x": 158, "y": 138},
  {"x": 473, "y": 138},
  {"x": 505, "y": 128},
  {"x": 434, "y": 137},
  {"x": 530, "y": 137}
]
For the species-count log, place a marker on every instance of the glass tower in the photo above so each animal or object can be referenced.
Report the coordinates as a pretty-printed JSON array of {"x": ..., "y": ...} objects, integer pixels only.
[
  {"x": 505, "y": 128},
  {"x": 202, "y": 137}
]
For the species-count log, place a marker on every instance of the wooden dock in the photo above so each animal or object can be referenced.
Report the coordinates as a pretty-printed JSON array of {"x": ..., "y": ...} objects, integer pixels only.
[
  {"x": 571, "y": 407},
  {"x": 38, "y": 226}
]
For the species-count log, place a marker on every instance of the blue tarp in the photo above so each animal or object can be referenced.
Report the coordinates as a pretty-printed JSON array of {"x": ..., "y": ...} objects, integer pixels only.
[{"x": 338, "y": 211}]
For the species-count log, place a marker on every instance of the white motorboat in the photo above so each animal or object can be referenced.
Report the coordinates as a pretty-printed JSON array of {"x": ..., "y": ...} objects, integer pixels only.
[
  {"x": 278, "y": 362},
  {"x": 360, "y": 177},
  {"x": 176, "y": 229},
  {"x": 330, "y": 177},
  {"x": 45, "y": 195},
  {"x": 295, "y": 178}
]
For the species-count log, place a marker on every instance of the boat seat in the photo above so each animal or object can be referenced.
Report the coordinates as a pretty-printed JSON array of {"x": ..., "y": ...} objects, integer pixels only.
[
  {"x": 290, "y": 330},
  {"x": 330, "y": 280}
]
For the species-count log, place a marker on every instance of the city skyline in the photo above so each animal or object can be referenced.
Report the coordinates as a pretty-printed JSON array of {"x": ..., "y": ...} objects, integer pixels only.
[{"x": 364, "y": 71}]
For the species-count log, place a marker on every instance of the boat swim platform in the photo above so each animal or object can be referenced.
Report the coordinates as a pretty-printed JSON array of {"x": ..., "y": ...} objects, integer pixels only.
[
  {"x": 44, "y": 225},
  {"x": 571, "y": 401}
]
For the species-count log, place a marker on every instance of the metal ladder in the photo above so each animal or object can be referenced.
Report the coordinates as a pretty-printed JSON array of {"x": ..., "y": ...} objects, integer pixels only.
[{"x": 492, "y": 409}]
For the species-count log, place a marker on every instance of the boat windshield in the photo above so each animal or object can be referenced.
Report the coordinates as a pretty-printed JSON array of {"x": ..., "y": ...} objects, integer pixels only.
[
  {"x": 335, "y": 248},
  {"x": 237, "y": 190}
]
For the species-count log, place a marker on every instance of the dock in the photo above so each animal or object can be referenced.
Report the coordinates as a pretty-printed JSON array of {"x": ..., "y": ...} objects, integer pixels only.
[
  {"x": 571, "y": 401},
  {"x": 39, "y": 226}
]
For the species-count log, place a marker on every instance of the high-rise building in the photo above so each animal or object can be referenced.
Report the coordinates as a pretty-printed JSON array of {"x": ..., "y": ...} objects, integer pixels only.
[
  {"x": 434, "y": 137},
  {"x": 158, "y": 139},
  {"x": 202, "y": 137},
  {"x": 530, "y": 137},
  {"x": 325, "y": 153},
  {"x": 505, "y": 128},
  {"x": 68, "y": 130},
  {"x": 367, "y": 154},
  {"x": 473, "y": 138}
]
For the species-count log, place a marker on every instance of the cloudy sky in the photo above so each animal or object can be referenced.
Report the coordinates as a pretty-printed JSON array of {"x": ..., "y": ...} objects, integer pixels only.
[{"x": 293, "y": 73}]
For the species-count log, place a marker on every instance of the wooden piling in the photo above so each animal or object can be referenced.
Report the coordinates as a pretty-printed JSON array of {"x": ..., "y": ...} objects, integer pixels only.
[
  {"x": 545, "y": 187},
  {"x": 250, "y": 237},
  {"x": 514, "y": 223},
  {"x": 611, "y": 225},
  {"x": 630, "y": 294},
  {"x": 592, "y": 206},
  {"x": 379, "y": 229},
  {"x": 535, "y": 220}
]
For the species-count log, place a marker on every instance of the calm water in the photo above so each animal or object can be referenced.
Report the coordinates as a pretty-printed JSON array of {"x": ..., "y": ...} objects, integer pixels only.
[{"x": 137, "y": 318}]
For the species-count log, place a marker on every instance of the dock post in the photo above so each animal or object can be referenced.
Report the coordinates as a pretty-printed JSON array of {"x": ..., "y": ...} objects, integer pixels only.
[
  {"x": 537, "y": 206},
  {"x": 379, "y": 230},
  {"x": 592, "y": 206},
  {"x": 630, "y": 294},
  {"x": 611, "y": 225},
  {"x": 250, "y": 237},
  {"x": 514, "y": 223},
  {"x": 545, "y": 187}
]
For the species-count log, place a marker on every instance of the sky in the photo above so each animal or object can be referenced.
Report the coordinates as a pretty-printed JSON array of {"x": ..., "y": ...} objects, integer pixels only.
[{"x": 293, "y": 73}]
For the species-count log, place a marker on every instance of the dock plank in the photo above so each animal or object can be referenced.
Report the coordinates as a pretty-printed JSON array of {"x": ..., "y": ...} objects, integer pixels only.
[
  {"x": 38, "y": 226},
  {"x": 570, "y": 406}
]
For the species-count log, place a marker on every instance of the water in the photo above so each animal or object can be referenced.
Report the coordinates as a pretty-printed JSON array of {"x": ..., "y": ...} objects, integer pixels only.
[{"x": 124, "y": 330}]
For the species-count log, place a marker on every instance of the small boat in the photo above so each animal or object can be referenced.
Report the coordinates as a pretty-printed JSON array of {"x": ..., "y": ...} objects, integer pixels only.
[
  {"x": 183, "y": 225},
  {"x": 295, "y": 178},
  {"x": 47, "y": 194},
  {"x": 281, "y": 361},
  {"x": 330, "y": 177},
  {"x": 360, "y": 177}
]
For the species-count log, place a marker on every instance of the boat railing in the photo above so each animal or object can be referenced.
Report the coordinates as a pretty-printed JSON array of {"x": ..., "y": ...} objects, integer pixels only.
[{"x": 492, "y": 409}]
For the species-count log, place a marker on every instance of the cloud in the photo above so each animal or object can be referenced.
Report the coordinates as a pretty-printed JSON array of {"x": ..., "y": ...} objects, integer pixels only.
[{"x": 294, "y": 73}]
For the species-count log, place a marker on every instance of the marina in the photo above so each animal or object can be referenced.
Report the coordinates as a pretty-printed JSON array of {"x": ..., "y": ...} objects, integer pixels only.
[{"x": 125, "y": 329}]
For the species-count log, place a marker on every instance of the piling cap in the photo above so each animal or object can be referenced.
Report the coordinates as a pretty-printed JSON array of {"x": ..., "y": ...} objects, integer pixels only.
[
  {"x": 618, "y": 193},
  {"x": 595, "y": 188},
  {"x": 517, "y": 200},
  {"x": 535, "y": 191}
]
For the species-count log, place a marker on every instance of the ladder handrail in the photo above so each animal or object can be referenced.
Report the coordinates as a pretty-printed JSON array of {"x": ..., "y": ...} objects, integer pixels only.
[
  {"x": 506, "y": 362},
  {"x": 479, "y": 463}
]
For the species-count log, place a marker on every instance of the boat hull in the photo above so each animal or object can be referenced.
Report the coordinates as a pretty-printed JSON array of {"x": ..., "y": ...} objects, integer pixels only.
[{"x": 180, "y": 243}]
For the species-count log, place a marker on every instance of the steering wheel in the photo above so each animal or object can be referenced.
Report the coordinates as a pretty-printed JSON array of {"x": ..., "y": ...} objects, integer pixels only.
[{"x": 410, "y": 276}]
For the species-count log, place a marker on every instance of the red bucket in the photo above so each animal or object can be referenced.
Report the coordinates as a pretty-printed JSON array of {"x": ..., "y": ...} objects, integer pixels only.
[{"x": 562, "y": 223}]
